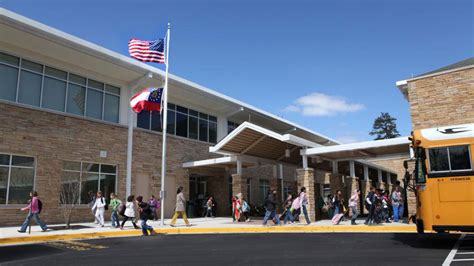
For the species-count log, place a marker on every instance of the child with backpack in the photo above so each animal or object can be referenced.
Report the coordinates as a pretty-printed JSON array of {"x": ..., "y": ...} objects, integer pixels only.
[
  {"x": 145, "y": 212},
  {"x": 128, "y": 212},
  {"x": 115, "y": 204},
  {"x": 34, "y": 208},
  {"x": 100, "y": 205}
]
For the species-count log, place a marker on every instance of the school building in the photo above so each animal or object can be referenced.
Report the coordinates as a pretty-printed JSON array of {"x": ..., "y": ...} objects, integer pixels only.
[{"x": 64, "y": 114}]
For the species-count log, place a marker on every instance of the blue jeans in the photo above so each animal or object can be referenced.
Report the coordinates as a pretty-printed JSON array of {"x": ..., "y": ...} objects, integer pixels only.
[
  {"x": 288, "y": 216},
  {"x": 25, "y": 224},
  {"x": 336, "y": 210},
  {"x": 115, "y": 219},
  {"x": 270, "y": 215},
  {"x": 355, "y": 212},
  {"x": 145, "y": 227},
  {"x": 396, "y": 213},
  {"x": 305, "y": 212}
]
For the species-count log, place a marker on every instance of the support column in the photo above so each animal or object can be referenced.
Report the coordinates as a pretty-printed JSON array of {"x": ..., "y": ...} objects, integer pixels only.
[
  {"x": 305, "y": 179},
  {"x": 352, "y": 168},
  {"x": 380, "y": 183},
  {"x": 335, "y": 167},
  {"x": 239, "y": 185},
  {"x": 365, "y": 186}
]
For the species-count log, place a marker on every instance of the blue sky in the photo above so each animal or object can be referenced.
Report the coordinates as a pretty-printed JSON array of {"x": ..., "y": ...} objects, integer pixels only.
[{"x": 328, "y": 65}]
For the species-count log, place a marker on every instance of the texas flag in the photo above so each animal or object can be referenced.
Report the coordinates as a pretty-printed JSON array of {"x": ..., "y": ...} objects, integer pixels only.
[{"x": 148, "y": 99}]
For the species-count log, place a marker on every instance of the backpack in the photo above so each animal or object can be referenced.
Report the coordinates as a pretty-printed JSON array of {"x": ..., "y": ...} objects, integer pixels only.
[
  {"x": 106, "y": 207},
  {"x": 370, "y": 197},
  {"x": 121, "y": 209},
  {"x": 40, "y": 206}
]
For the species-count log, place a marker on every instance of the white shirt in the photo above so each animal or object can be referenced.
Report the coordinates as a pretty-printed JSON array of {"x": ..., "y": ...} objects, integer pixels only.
[
  {"x": 99, "y": 203},
  {"x": 130, "y": 209}
]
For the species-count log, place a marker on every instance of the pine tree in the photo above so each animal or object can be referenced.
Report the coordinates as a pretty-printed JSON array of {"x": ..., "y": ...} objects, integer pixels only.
[{"x": 385, "y": 127}]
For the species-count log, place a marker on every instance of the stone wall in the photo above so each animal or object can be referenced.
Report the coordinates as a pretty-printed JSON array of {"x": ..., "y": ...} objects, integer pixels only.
[
  {"x": 442, "y": 100},
  {"x": 52, "y": 138}
]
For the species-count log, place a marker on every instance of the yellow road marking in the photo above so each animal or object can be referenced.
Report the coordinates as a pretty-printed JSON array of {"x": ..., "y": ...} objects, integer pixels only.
[{"x": 74, "y": 245}]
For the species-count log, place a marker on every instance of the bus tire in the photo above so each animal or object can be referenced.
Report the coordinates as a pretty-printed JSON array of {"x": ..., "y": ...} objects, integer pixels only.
[{"x": 419, "y": 226}]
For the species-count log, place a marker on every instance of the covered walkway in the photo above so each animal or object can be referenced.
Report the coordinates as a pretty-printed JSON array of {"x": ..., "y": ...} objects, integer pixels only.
[{"x": 321, "y": 169}]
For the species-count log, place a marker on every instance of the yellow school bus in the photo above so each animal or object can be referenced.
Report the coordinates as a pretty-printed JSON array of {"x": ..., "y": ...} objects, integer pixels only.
[{"x": 444, "y": 178}]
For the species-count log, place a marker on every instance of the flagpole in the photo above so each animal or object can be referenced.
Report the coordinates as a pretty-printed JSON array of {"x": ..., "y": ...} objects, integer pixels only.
[{"x": 165, "y": 125}]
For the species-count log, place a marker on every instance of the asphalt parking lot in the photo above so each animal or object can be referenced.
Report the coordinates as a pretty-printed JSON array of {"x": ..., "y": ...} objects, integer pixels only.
[{"x": 252, "y": 249}]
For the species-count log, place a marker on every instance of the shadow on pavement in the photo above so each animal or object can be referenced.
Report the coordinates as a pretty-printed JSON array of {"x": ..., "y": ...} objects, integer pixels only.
[
  {"x": 16, "y": 253},
  {"x": 427, "y": 240}
]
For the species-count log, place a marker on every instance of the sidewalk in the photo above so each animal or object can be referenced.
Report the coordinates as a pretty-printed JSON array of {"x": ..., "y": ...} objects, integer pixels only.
[{"x": 10, "y": 236}]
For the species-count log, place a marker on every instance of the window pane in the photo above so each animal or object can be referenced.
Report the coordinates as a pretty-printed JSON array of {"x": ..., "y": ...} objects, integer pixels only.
[
  {"x": 212, "y": 118},
  {"x": 94, "y": 104},
  {"x": 193, "y": 113},
  {"x": 21, "y": 184},
  {"x": 32, "y": 66},
  {"x": 3, "y": 184},
  {"x": 171, "y": 106},
  {"x": 77, "y": 79},
  {"x": 96, "y": 84},
  {"x": 9, "y": 59},
  {"x": 4, "y": 159},
  {"x": 107, "y": 169},
  {"x": 55, "y": 73},
  {"x": 156, "y": 121},
  {"x": 90, "y": 167},
  {"x": 90, "y": 184},
  {"x": 75, "y": 166},
  {"x": 439, "y": 159},
  {"x": 143, "y": 119},
  {"x": 112, "y": 89},
  {"x": 181, "y": 125},
  {"x": 459, "y": 157},
  {"x": 111, "y": 108},
  {"x": 23, "y": 161},
  {"x": 181, "y": 109},
  {"x": 30, "y": 88},
  {"x": 54, "y": 93},
  {"x": 8, "y": 79},
  {"x": 76, "y": 96},
  {"x": 193, "y": 127},
  {"x": 107, "y": 185},
  {"x": 171, "y": 122},
  {"x": 212, "y": 132},
  {"x": 203, "y": 127},
  {"x": 203, "y": 116}
]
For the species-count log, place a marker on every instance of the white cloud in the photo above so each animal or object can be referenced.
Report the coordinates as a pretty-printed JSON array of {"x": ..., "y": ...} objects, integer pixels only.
[
  {"x": 348, "y": 139},
  {"x": 319, "y": 104}
]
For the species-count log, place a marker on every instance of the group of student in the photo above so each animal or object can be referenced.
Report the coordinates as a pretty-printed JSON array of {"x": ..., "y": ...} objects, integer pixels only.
[
  {"x": 380, "y": 205},
  {"x": 292, "y": 207},
  {"x": 128, "y": 210}
]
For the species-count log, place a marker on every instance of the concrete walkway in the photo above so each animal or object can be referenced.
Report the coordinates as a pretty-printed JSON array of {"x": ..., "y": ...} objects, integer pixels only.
[{"x": 10, "y": 236}]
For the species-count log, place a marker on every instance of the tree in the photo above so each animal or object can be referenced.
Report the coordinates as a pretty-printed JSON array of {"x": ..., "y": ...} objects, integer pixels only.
[
  {"x": 69, "y": 194},
  {"x": 385, "y": 127}
]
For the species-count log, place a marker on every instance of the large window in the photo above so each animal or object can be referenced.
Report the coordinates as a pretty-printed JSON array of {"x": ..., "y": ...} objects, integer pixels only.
[
  {"x": 88, "y": 178},
  {"x": 38, "y": 85},
  {"x": 450, "y": 159},
  {"x": 287, "y": 188},
  {"x": 264, "y": 186},
  {"x": 17, "y": 177},
  {"x": 183, "y": 122}
]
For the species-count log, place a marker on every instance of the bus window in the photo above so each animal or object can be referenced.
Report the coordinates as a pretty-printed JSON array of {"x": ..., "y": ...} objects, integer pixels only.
[
  {"x": 420, "y": 167},
  {"x": 447, "y": 159}
]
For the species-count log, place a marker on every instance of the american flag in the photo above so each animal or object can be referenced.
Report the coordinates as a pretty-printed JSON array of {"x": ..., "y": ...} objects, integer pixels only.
[{"x": 147, "y": 51}]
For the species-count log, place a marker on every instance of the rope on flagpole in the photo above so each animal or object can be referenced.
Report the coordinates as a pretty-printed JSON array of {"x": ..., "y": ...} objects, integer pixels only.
[{"x": 165, "y": 122}]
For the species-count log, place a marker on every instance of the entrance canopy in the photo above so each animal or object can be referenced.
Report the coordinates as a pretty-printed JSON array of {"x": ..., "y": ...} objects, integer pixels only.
[
  {"x": 250, "y": 139},
  {"x": 361, "y": 150}
]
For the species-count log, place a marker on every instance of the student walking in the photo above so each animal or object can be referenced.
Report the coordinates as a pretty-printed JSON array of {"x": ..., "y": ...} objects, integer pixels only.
[
  {"x": 180, "y": 208},
  {"x": 303, "y": 198},
  {"x": 154, "y": 205},
  {"x": 99, "y": 207},
  {"x": 129, "y": 212},
  {"x": 370, "y": 206},
  {"x": 270, "y": 206},
  {"x": 396, "y": 203},
  {"x": 144, "y": 209},
  {"x": 288, "y": 210},
  {"x": 34, "y": 209},
  {"x": 114, "y": 205},
  {"x": 353, "y": 202},
  {"x": 209, "y": 206},
  {"x": 245, "y": 210}
]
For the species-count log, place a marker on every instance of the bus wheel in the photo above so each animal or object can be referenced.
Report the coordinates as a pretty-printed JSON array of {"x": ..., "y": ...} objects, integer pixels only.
[{"x": 419, "y": 226}]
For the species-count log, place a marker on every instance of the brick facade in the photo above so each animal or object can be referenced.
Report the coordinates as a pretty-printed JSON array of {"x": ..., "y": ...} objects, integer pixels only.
[{"x": 442, "y": 100}]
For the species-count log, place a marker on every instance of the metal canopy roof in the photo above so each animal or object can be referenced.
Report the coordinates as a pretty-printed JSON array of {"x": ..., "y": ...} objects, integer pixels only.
[
  {"x": 361, "y": 150},
  {"x": 227, "y": 161},
  {"x": 253, "y": 140}
]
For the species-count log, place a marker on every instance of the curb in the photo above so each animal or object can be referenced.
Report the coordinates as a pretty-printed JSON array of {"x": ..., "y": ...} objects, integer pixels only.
[{"x": 222, "y": 230}]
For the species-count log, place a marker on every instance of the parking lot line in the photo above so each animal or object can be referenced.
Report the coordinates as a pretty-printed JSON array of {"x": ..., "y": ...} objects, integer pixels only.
[{"x": 451, "y": 254}]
